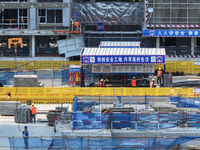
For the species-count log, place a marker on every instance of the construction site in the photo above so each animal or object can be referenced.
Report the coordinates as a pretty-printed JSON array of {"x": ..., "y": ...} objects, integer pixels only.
[{"x": 99, "y": 75}]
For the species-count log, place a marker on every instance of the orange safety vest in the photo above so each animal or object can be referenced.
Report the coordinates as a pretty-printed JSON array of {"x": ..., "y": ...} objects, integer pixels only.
[
  {"x": 101, "y": 84},
  {"x": 133, "y": 83},
  {"x": 152, "y": 84},
  {"x": 159, "y": 73},
  {"x": 33, "y": 110},
  {"x": 76, "y": 24}
]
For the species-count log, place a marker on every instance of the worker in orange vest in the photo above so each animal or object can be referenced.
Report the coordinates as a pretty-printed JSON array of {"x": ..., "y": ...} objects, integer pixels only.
[
  {"x": 133, "y": 82},
  {"x": 33, "y": 112},
  {"x": 101, "y": 83},
  {"x": 159, "y": 76},
  {"x": 9, "y": 96},
  {"x": 76, "y": 24},
  {"x": 152, "y": 83}
]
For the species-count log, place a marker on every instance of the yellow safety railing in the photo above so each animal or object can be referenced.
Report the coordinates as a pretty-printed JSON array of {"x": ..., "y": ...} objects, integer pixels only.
[
  {"x": 36, "y": 65},
  {"x": 185, "y": 66},
  {"x": 171, "y": 66},
  {"x": 66, "y": 94}
]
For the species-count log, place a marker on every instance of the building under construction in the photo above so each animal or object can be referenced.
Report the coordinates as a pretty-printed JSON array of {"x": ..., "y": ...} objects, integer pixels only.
[{"x": 173, "y": 25}]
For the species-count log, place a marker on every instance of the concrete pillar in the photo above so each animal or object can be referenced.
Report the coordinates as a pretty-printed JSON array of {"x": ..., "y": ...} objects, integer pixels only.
[
  {"x": 158, "y": 42},
  {"x": 33, "y": 45},
  {"x": 192, "y": 45},
  {"x": 32, "y": 14},
  {"x": 32, "y": 22},
  {"x": 30, "y": 45},
  {"x": 67, "y": 14}
]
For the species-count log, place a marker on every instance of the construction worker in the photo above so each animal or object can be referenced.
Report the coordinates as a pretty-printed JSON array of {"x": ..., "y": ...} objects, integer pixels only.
[
  {"x": 133, "y": 82},
  {"x": 101, "y": 83},
  {"x": 33, "y": 112},
  {"x": 9, "y": 96},
  {"x": 107, "y": 77},
  {"x": 159, "y": 76},
  {"x": 152, "y": 83},
  {"x": 76, "y": 25},
  {"x": 25, "y": 136}
]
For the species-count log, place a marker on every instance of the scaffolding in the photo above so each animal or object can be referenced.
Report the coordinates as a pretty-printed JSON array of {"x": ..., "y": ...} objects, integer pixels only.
[{"x": 172, "y": 13}]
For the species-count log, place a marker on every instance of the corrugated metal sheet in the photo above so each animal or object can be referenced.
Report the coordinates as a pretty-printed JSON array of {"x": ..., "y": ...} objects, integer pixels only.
[
  {"x": 109, "y": 13},
  {"x": 122, "y": 51},
  {"x": 131, "y": 44}
]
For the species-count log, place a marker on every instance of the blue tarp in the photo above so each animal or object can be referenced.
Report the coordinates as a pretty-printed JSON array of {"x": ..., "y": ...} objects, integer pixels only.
[
  {"x": 100, "y": 143},
  {"x": 186, "y": 102},
  {"x": 130, "y": 120},
  {"x": 34, "y": 143}
]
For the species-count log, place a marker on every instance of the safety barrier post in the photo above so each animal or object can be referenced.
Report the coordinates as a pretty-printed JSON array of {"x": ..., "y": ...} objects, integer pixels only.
[
  {"x": 38, "y": 65},
  {"x": 189, "y": 66},
  {"x": 65, "y": 142},
  {"x": 186, "y": 121},
  {"x": 13, "y": 143},
  {"x": 29, "y": 92},
  {"x": 25, "y": 66},
  {"x": 175, "y": 66},
  {"x": 158, "y": 119},
  {"x": 88, "y": 143},
  {"x": 122, "y": 102},
  {"x": 111, "y": 120},
  {"x": 136, "y": 120},
  {"x": 45, "y": 93},
  {"x": 41, "y": 142},
  {"x": 136, "y": 142},
  {"x": 52, "y": 64},
  {"x": 157, "y": 141},
  {"x": 117, "y": 143},
  {"x": 61, "y": 95},
  {"x": 180, "y": 143}
]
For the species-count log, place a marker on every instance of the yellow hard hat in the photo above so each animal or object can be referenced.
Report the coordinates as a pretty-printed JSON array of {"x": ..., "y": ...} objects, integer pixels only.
[
  {"x": 101, "y": 79},
  {"x": 133, "y": 77},
  {"x": 159, "y": 68},
  {"x": 153, "y": 79},
  {"x": 32, "y": 104}
]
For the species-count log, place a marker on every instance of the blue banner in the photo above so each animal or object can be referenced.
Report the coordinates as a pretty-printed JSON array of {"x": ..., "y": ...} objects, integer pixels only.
[
  {"x": 171, "y": 33},
  {"x": 123, "y": 59},
  {"x": 74, "y": 70},
  {"x": 100, "y": 27}
]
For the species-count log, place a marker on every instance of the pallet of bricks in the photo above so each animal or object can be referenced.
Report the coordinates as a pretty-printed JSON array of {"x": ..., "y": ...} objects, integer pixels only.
[
  {"x": 22, "y": 114},
  {"x": 59, "y": 114}
]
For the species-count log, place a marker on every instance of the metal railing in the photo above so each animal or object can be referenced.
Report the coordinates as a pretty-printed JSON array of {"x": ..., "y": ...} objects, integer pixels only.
[
  {"x": 171, "y": 66},
  {"x": 100, "y": 142},
  {"x": 188, "y": 67},
  {"x": 36, "y": 65},
  {"x": 66, "y": 94}
]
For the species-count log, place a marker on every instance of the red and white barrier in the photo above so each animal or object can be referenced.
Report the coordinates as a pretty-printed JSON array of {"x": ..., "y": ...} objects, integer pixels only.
[
  {"x": 183, "y": 56},
  {"x": 169, "y": 26},
  {"x": 146, "y": 11}
]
